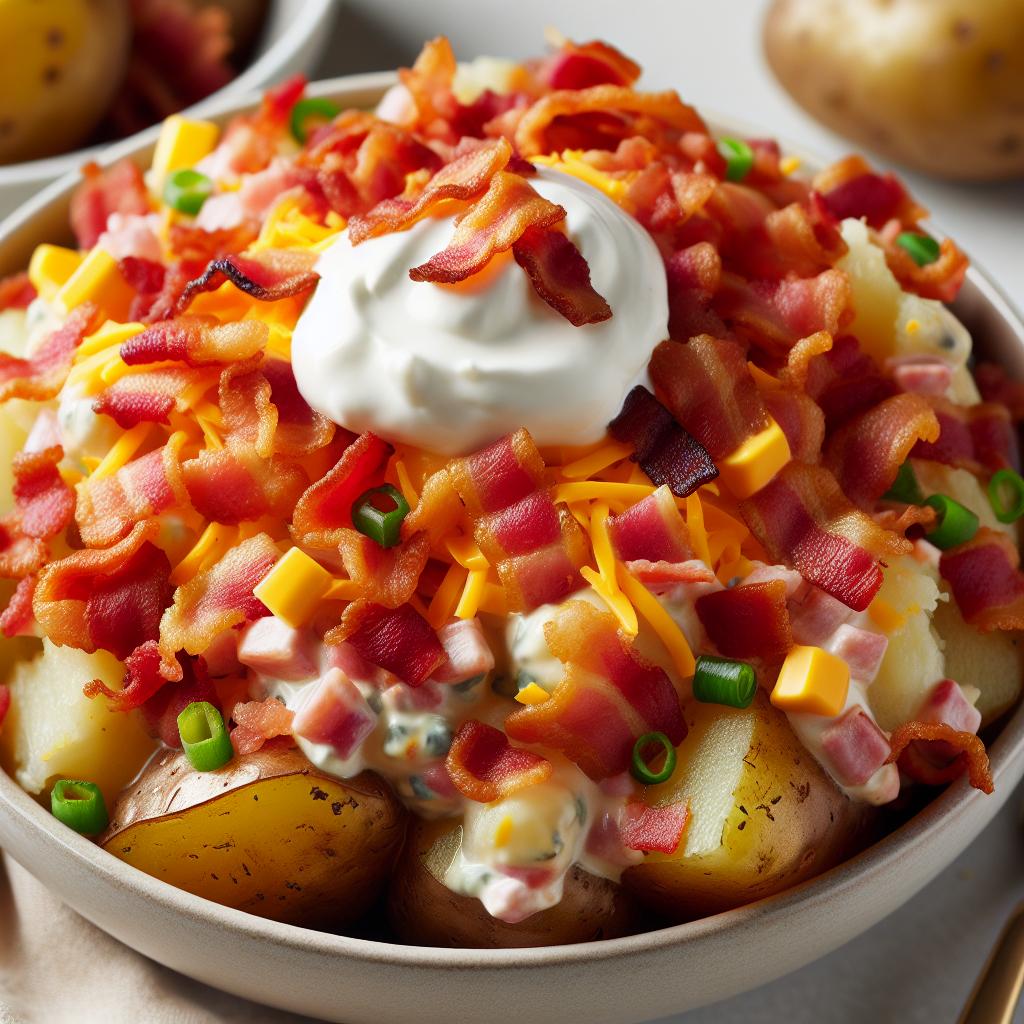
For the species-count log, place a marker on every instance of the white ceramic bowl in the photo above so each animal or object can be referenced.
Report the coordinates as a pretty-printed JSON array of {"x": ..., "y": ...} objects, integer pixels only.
[
  {"x": 615, "y": 981},
  {"x": 292, "y": 40}
]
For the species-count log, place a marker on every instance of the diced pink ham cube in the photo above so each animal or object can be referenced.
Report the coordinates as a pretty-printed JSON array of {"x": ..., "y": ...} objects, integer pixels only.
[
  {"x": 357, "y": 668},
  {"x": 924, "y": 375},
  {"x": 947, "y": 704},
  {"x": 272, "y": 648},
  {"x": 469, "y": 654},
  {"x": 861, "y": 649},
  {"x": 854, "y": 747},
  {"x": 335, "y": 713},
  {"x": 817, "y": 617}
]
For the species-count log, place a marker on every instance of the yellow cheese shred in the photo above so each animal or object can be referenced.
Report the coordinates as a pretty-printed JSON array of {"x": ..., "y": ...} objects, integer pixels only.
[
  {"x": 465, "y": 551},
  {"x": 695, "y": 526},
  {"x": 214, "y": 542},
  {"x": 649, "y": 608},
  {"x": 124, "y": 448},
  {"x": 604, "y": 581},
  {"x": 599, "y": 490},
  {"x": 443, "y": 603},
  {"x": 602, "y": 458},
  {"x": 472, "y": 594}
]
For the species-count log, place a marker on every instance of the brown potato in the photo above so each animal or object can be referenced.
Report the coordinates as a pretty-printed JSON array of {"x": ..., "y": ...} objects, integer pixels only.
[
  {"x": 764, "y": 815},
  {"x": 61, "y": 62},
  {"x": 268, "y": 833},
  {"x": 425, "y": 912},
  {"x": 937, "y": 85}
]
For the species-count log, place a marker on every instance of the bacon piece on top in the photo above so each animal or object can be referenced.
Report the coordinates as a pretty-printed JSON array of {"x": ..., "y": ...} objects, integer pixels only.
[
  {"x": 16, "y": 291},
  {"x": 581, "y": 65},
  {"x": 196, "y": 341},
  {"x": 804, "y": 520},
  {"x": 748, "y": 621},
  {"x": 987, "y": 583},
  {"x": 258, "y": 721},
  {"x": 976, "y": 437},
  {"x": 115, "y": 189},
  {"x": 560, "y": 276},
  {"x": 44, "y": 502},
  {"x": 147, "y": 397},
  {"x": 849, "y": 188},
  {"x": 387, "y": 576},
  {"x": 663, "y": 449},
  {"x": 484, "y": 766},
  {"x": 651, "y": 530},
  {"x": 907, "y": 742},
  {"x": 608, "y": 697},
  {"x": 650, "y": 829},
  {"x": 17, "y": 618},
  {"x": 42, "y": 376},
  {"x": 142, "y": 679}
]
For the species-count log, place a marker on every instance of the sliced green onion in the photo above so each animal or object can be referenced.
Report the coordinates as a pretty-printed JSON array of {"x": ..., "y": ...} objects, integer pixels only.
[
  {"x": 905, "y": 487},
  {"x": 1006, "y": 494},
  {"x": 186, "y": 190},
  {"x": 640, "y": 770},
  {"x": 724, "y": 681},
  {"x": 313, "y": 108},
  {"x": 738, "y": 156},
  {"x": 956, "y": 524},
  {"x": 79, "y": 805},
  {"x": 378, "y": 514},
  {"x": 922, "y": 249},
  {"x": 204, "y": 739}
]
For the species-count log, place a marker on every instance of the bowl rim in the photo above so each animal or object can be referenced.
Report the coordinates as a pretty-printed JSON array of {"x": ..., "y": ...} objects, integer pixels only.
[
  {"x": 925, "y": 827},
  {"x": 307, "y": 21}
]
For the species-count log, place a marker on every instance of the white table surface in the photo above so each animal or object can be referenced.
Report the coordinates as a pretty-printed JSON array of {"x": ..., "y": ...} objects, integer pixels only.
[{"x": 918, "y": 966}]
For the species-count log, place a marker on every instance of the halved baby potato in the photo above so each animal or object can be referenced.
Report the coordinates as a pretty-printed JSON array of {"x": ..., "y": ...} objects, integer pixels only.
[
  {"x": 764, "y": 815},
  {"x": 425, "y": 912},
  {"x": 268, "y": 833}
]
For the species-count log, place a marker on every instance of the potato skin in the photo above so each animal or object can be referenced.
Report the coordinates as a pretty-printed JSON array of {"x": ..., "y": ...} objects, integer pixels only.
[
  {"x": 268, "y": 833},
  {"x": 787, "y": 822},
  {"x": 424, "y": 912},
  {"x": 937, "y": 85}
]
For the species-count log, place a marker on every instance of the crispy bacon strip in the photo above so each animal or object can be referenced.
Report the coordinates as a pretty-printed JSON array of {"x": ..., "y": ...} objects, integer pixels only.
[
  {"x": 986, "y": 580},
  {"x": 484, "y": 766},
  {"x": 115, "y": 189},
  {"x": 560, "y": 276},
  {"x": 17, "y": 619},
  {"x": 147, "y": 397},
  {"x": 976, "y": 437},
  {"x": 16, "y": 291},
  {"x": 217, "y": 599},
  {"x": 386, "y": 576},
  {"x": 465, "y": 178},
  {"x": 499, "y": 475},
  {"x": 19, "y": 555},
  {"x": 258, "y": 721},
  {"x": 42, "y": 376},
  {"x": 399, "y": 640},
  {"x": 804, "y": 520},
  {"x": 581, "y": 65},
  {"x": 268, "y": 276},
  {"x": 663, "y": 449},
  {"x": 300, "y": 429},
  {"x": 44, "y": 502},
  {"x": 865, "y": 454},
  {"x": 801, "y": 420},
  {"x": 142, "y": 680},
  {"x": 249, "y": 416},
  {"x": 187, "y": 682},
  {"x": 748, "y": 621},
  {"x": 325, "y": 508},
  {"x": 651, "y": 530},
  {"x": 608, "y": 697},
  {"x": 972, "y": 756},
  {"x": 654, "y": 829},
  {"x": 849, "y": 188},
  {"x": 196, "y": 341},
  {"x": 940, "y": 279},
  {"x": 109, "y": 507},
  {"x": 997, "y": 387},
  {"x": 492, "y": 225}
]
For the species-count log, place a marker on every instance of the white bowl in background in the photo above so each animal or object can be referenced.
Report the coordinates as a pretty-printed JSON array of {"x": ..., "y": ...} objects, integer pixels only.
[
  {"x": 292, "y": 39},
  {"x": 613, "y": 981}
]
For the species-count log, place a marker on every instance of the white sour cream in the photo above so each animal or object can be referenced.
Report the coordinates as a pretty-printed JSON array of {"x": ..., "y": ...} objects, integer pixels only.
[{"x": 452, "y": 368}]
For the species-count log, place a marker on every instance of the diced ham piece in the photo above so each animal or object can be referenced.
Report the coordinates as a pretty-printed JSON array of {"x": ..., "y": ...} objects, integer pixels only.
[
  {"x": 923, "y": 375},
  {"x": 272, "y": 648},
  {"x": 221, "y": 656},
  {"x": 345, "y": 657},
  {"x": 604, "y": 842},
  {"x": 467, "y": 651},
  {"x": 861, "y": 649},
  {"x": 817, "y": 617},
  {"x": 132, "y": 234},
  {"x": 947, "y": 704},
  {"x": 335, "y": 713},
  {"x": 253, "y": 198},
  {"x": 221, "y": 212},
  {"x": 854, "y": 747}
]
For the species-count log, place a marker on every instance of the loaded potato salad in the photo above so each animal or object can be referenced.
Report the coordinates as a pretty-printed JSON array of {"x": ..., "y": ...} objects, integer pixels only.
[{"x": 514, "y": 513}]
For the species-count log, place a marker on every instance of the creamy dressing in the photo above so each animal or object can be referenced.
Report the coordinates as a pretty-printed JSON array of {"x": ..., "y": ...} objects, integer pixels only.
[{"x": 450, "y": 368}]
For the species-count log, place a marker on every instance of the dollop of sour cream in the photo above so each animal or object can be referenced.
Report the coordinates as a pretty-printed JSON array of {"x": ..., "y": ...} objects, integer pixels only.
[{"x": 451, "y": 367}]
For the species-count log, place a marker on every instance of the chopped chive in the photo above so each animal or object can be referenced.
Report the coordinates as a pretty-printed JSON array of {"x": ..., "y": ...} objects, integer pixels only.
[
  {"x": 79, "y": 805},
  {"x": 378, "y": 514},
  {"x": 738, "y": 156},
  {"x": 186, "y": 191},
  {"x": 905, "y": 487},
  {"x": 956, "y": 524},
  {"x": 641, "y": 772},
  {"x": 311, "y": 110},
  {"x": 922, "y": 248},
  {"x": 1006, "y": 495},
  {"x": 724, "y": 681},
  {"x": 204, "y": 738}
]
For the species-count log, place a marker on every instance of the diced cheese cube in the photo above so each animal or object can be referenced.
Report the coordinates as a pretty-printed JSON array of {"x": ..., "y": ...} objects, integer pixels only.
[
  {"x": 294, "y": 588},
  {"x": 532, "y": 694},
  {"x": 755, "y": 462},
  {"x": 182, "y": 143},
  {"x": 812, "y": 681},
  {"x": 50, "y": 268},
  {"x": 97, "y": 279},
  {"x": 273, "y": 648}
]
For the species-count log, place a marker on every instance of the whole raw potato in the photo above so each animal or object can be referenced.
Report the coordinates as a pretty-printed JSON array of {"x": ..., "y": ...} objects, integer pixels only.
[
  {"x": 764, "y": 815},
  {"x": 61, "y": 62},
  {"x": 425, "y": 912},
  {"x": 937, "y": 85},
  {"x": 268, "y": 833}
]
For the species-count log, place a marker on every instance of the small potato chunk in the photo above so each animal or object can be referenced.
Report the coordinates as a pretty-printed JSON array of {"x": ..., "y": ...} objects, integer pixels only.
[
  {"x": 53, "y": 731},
  {"x": 425, "y": 912},
  {"x": 764, "y": 815},
  {"x": 268, "y": 833}
]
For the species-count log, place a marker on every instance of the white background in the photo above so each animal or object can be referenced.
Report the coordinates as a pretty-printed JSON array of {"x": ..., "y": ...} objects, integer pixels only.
[{"x": 919, "y": 965}]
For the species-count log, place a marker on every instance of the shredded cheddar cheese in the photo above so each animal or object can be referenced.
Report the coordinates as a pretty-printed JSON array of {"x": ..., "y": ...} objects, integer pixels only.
[
  {"x": 124, "y": 448},
  {"x": 214, "y": 542},
  {"x": 444, "y": 602}
]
